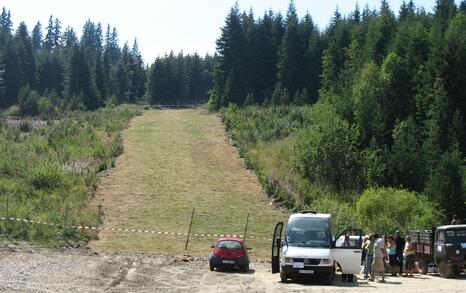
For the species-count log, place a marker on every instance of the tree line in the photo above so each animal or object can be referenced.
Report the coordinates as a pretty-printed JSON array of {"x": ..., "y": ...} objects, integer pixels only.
[
  {"x": 52, "y": 66},
  {"x": 389, "y": 89}
]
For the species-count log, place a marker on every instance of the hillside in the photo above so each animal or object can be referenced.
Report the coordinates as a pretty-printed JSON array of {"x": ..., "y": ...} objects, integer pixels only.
[{"x": 174, "y": 161}]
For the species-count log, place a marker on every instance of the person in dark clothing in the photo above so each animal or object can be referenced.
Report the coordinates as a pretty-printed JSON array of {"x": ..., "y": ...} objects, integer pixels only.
[
  {"x": 400, "y": 246},
  {"x": 455, "y": 221}
]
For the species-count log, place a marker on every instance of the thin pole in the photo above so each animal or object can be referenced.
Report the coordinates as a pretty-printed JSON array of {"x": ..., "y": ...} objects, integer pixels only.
[
  {"x": 6, "y": 214},
  {"x": 189, "y": 231},
  {"x": 246, "y": 228},
  {"x": 65, "y": 222}
]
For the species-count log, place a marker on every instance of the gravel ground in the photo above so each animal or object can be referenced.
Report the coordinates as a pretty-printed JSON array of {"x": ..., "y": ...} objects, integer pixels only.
[{"x": 30, "y": 269}]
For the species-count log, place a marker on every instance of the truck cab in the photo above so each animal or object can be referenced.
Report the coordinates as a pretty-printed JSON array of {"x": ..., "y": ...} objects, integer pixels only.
[
  {"x": 443, "y": 247},
  {"x": 450, "y": 249},
  {"x": 309, "y": 248}
]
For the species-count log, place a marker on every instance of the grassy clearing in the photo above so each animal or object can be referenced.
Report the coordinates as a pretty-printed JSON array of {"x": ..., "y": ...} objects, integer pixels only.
[
  {"x": 45, "y": 170},
  {"x": 176, "y": 160}
]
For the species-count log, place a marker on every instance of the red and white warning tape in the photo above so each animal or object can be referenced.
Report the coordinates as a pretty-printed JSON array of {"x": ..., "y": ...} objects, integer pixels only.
[{"x": 131, "y": 230}]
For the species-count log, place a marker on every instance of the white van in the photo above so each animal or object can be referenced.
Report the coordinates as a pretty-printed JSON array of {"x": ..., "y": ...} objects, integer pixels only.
[{"x": 309, "y": 248}]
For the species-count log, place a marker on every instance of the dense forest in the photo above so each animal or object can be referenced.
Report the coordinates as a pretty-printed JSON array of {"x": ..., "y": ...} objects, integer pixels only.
[
  {"x": 388, "y": 94},
  {"x": 365, "y": 116},
  {"x": 52, "y": 69}
]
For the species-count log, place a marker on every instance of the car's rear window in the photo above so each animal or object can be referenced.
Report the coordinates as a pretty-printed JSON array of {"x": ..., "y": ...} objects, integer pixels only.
[{"x": 229, "y": 244}]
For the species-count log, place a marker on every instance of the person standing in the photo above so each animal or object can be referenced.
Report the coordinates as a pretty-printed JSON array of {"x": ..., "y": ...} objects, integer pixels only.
[
  {"x": 391, "y": 247},
  {"x": 369, "y": 248},
  {"x": 400, "y": 246},
  {"x": 380, "y": 253},
  {"x": 410, "y": 251}
]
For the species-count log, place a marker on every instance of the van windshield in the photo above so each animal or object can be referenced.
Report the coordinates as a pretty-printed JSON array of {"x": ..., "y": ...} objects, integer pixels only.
[{"x": 309, "y": 232}]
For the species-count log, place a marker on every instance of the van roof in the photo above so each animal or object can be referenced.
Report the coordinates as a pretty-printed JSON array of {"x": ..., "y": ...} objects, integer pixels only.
[{"x": 310, "y": 215}]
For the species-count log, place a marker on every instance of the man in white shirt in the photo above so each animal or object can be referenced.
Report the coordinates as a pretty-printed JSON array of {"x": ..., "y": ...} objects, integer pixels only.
[{"x": 378, "y": 266}]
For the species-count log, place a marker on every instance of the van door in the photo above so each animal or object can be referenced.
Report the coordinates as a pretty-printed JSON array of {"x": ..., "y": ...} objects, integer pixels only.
[
  {"x": 348, "y": 254},
  {"x": 276, "y": 245}
]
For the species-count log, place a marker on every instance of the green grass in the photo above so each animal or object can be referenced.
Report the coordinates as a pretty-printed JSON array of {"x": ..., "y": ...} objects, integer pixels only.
[
  {"x": 45, "y": 171},
  {"x": 174, "y": 161}
]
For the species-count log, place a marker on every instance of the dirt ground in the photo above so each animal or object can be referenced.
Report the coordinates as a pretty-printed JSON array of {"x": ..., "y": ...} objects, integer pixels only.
[{"x": 30, "y": 269}]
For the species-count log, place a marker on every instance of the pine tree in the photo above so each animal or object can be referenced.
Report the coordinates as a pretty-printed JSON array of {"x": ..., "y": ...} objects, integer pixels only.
[
  {"x": 290, "y": 69},
  {"x": 124, "y": 77},
  {"x": 37, "y": 37},
  {"x": 49, "y": 41},
  {"x": 139, "y": 73},
  {"x": 26, "y": 56},
  {"x": 228, "y": 70},
  {"x": 5, "y": 20},
  {"x": 80, "y": 82},
  {"x": 2, "y": 80}
]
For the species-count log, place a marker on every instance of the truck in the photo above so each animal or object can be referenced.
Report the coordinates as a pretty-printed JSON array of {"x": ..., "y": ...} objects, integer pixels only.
[
  {"x": 443, "y": 247},
  {"x": 309, "y": 248}
]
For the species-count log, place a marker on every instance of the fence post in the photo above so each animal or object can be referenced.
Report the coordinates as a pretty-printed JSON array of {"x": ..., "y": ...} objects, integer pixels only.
[
  {"x": 65, "y": 221},
  {"x": 7, "y": 217},
  {"x": 189, "y": 231},
  {"x": 246, "y": 228}
]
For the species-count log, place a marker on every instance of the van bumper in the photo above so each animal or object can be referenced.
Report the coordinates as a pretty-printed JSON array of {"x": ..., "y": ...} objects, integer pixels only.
[{"x": 317, "y": 271}]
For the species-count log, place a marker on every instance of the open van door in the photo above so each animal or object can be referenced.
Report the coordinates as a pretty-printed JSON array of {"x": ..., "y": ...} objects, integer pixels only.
[
  {"x": 276, "y": 245},
  {"x": 348, "y": 254}
]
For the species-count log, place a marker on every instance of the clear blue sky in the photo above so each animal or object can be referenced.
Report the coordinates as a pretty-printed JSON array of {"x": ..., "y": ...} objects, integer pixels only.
[{"x": 164, "y": 25}]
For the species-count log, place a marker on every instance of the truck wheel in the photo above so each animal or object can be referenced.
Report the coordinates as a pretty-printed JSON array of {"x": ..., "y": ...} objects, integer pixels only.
[
  {"x": 423, "y": 266},
  {"x": 444, "y": 270},
  {"x": 283, "y": 277}
]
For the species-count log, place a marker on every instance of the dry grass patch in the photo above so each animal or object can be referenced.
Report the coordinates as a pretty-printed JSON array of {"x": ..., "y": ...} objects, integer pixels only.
[{"x": 176, "y": 160}]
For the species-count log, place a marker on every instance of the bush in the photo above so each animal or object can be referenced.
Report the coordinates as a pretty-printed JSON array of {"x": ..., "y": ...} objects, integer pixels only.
[
  {"x": 326, "y": 151},
  {"x": 382, "y": 210},
  {"x": 47, "y": 175},
  {"x": 27, "y": 100}
]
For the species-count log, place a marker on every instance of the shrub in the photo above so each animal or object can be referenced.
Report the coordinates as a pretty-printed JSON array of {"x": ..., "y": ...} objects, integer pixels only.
[
  {"x": 385, "y": 209},
  {"x": 27, "y": 100},
  {"x": 326, "y": 151},
  {"x": 47, "y": 175}
]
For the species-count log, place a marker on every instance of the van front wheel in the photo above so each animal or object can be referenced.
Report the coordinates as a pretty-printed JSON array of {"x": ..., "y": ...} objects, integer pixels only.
[
  {"x": 329, "y": 278},
  {"x": 283, "y": 277}
]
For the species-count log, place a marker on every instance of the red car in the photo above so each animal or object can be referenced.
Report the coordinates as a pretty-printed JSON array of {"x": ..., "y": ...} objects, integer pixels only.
[{"x": 229, "y": 252}]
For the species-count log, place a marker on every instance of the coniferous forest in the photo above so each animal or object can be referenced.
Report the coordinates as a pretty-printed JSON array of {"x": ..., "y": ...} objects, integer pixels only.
[
  {"x": 387, "y": 91},
  {"x": 49, "y": 66},
  {"x": 369, "y": 109}
]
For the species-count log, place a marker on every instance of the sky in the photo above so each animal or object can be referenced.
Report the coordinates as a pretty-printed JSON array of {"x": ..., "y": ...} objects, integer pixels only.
[{"x": 164, "y": 25}]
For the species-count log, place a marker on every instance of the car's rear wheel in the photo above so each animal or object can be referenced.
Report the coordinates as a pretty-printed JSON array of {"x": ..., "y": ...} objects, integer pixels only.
[
  {"x": 245, "y": 268},
  {"x": 212, "y": 267}
]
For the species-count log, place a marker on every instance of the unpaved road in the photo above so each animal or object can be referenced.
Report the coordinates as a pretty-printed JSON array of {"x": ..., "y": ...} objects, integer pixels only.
[{"x": 29, "y": 269}]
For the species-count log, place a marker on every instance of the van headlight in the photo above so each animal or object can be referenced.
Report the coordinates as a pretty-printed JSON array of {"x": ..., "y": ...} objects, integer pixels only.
[
  {"x": 325, "y": 261},
  {"x": 288, "y": 260}
]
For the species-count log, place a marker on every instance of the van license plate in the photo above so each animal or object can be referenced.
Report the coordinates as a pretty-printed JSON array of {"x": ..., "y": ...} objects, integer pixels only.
[
  {"x": 228, "y": 261},
  {"x": 306, "y": 271},
  {"x": 298, "y": 265}
]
